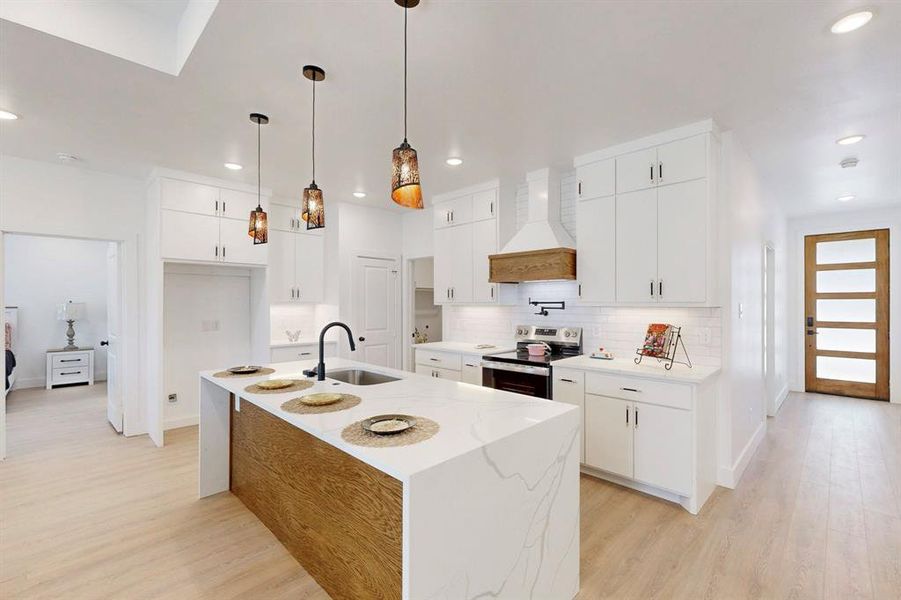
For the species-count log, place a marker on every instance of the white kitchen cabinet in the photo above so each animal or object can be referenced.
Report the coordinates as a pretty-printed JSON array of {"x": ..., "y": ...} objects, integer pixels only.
[
  {"x": 569, "y": 387},
  {"x": 596, "y": 180},
  {"x": 187, "y": 196},
  {"x": 302, "y": 352},
  {"x": 608, "y": 434},
  {"x": 682, "y": 160},
  {"x": 636, "y": 170},
  {"x": 682, "y": 242},
  {"x": 235, "y": 246},
  {"x": 663, "y": 447},
  {"x": 483, "y": 205},
  {"x": 443, "y": 264},
  {"x": 471, "y": 370},
  {"x": 236, "y": 204},
  {"x": 438, "y": 372},
  {"x": 636, "y": 246},
  {"x": 285, "y": 218},
  {"x": 456, "y": 211},
  {"x": 596, "y": 250},
  {"x": 295, "y": 267},
  {"x": 484, "y": 243},
  {"x": 189, "y": 236},
  {"x": 461, "y": 264}
]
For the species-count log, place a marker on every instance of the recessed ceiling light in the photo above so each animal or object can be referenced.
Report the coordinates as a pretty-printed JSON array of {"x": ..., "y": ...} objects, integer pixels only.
[
  {"x": 66, "y": 157},
  {"x": 5, "y": 115},
  {"x": 846, "y": 198},
  {"x": 852, "y": 22},
  {"x": 454, "y": 161},
  {"x": 359, "y": 194},
  {"x": 851, "y": 139},
  {"x": 233, "y": 166}
]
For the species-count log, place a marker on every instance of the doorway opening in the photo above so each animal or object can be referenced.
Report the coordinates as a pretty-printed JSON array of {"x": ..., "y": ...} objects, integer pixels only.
[
  {"x": 846, "y": 320},
  {"x": 769, "y": 328},
  {"x": 425, "y": 315},
  {"x": 376, "y": 310},
  {"x": 62, "y": 330}
]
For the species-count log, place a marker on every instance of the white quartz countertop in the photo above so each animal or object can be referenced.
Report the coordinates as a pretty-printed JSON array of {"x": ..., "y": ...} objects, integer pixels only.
[
  {"x": 281, "y": 344},
  {"x": 470, "y": 417},
  {"x": 649, "y": 369},
  {"x": 466, "y": 347}
]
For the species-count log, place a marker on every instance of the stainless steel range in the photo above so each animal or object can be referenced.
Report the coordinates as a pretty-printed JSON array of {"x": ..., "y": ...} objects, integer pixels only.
[{"x": 526, "y": 373}]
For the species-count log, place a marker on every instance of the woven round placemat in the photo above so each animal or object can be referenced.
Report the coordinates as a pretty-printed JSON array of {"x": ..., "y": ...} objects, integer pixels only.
[
  {"x": 296, "y": 406},
  {"x": 298, "y": 386},
  {"x": 423, "y": 430},
  {"x": 260, "y": 373}
]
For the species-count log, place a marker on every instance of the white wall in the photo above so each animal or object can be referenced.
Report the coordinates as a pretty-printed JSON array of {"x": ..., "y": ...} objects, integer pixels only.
[
  {"x": 57, "y": 200},
  {"x": 40, "y": 274},
  {"x": 884, "y": 218}
]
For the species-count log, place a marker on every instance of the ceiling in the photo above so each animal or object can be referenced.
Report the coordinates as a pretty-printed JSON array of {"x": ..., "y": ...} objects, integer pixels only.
[{"x": 509, "y": 86}]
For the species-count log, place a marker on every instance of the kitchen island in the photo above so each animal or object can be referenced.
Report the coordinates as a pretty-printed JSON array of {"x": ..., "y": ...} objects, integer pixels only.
[{"x": 488, "y": 507}]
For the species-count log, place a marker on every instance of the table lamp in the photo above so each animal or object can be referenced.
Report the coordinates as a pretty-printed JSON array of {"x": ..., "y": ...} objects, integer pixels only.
[{"x": 70, "y": 312}]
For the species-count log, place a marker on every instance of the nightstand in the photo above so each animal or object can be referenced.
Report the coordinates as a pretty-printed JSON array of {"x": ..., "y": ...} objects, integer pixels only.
[{"x": 70, "y": 366}]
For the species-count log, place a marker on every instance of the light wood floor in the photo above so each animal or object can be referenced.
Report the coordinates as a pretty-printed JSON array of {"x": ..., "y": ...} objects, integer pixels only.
[{"x": 87, "y": 514}]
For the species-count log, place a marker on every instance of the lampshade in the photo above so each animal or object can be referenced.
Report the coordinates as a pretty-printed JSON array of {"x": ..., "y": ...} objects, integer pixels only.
[
  {"x": 70, "y": 311},
  {"x": 313, "y": 207},
  {"x": 405, "y": 188},
  {"x": 258, "y": 226}
]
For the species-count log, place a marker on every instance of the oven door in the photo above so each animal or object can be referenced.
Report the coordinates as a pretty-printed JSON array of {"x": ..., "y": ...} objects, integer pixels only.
[{"x": 521, "y": 379}]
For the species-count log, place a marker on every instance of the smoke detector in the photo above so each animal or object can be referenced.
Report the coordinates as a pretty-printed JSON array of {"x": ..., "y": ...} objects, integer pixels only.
[
  {"x": 67, "y": 158},
  {"x": 849, "y": 163}
]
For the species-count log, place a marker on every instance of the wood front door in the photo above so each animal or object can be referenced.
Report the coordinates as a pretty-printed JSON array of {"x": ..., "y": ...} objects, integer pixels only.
[{"x": 846, "y": 289}]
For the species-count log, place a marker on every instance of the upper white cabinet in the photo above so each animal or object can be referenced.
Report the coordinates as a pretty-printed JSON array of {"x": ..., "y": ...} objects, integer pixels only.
[
  {"x": 295, "y": 263},
  {"x": 467, "y": 231},
  {"x": 646, "y": 220},
  {"x": 596, "y": 180},
  {"x": 200, "y": 222}
]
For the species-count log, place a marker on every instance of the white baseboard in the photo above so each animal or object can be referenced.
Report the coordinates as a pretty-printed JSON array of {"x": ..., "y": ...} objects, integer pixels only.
[
  {"x": 182, "y": 422},
  {"x": 39, "y": 382},
  {"x": 780, "y": 398},
  {"x": 729, "y": 477}
]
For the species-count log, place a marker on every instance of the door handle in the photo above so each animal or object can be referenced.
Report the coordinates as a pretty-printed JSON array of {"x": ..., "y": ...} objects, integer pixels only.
[
  {"x": 659, "y": 172},
  {"x": 104, "y": 342},
  {"x": 652, "y": 173},
  {"x": 223, "y": 251},
  {"x": 217, "y": 251},
  {"x": 636, "y": 417},
  {"x": 627, "y": 415},
  {"x": 660, "y": 288},
  {"x": 652, "y": 288}
]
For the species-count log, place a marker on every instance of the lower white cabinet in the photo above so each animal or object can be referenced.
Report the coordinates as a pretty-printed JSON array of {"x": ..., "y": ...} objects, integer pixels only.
[
  {"x": 302, "y": 352},
  {"x": 449, "y": 365},
  {"x": 438, "y": 372},
  {"x": 609, "y": 434},
  {"x": 662, "y": 447},
  {"x": 569, "y": 387},
  {"x": 471, "y": 370}
]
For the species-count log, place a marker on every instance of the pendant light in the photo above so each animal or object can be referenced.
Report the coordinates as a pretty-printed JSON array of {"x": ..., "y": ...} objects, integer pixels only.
[
  {"x": 405, "y": 188},
  {"x": 258, "y": 228},
  {"x": 312, "y": 205}
]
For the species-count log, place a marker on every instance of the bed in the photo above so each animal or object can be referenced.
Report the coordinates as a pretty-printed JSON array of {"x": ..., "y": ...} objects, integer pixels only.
[{"x": 11, "y": 331}]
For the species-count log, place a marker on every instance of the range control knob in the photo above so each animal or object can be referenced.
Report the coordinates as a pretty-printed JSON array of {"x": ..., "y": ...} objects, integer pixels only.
[{"x": 566, "y": 333}]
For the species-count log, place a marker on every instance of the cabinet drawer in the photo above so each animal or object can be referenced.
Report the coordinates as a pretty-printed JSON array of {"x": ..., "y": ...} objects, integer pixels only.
[
  {"x": 304, "y": 352},
  {"x": 70, "y": 375},
  {"x": 65, "y": 361},
  {"x": 675, "y": 395},
  {"x": 569, "y": 379},
  {"x": 445, "y": 360}
]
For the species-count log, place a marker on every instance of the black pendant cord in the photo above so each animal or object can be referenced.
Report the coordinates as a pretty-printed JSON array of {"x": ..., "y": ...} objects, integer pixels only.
[
  {"x": 314, "y": 129},
  {"x": 405, "y": 73},
  {"x": 259, "y": 169}
]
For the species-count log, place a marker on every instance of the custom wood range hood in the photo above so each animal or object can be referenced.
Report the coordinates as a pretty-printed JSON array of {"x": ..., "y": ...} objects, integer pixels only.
[{"x": 542, "y": 250}]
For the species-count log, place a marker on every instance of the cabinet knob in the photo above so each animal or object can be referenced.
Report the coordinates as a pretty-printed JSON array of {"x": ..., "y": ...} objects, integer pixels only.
[
  {"x": 104, "y": 342},
  {"x": 361, "y": 338}
]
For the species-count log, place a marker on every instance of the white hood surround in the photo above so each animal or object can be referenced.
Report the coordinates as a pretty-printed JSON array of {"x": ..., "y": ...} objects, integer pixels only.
[{"x": 543, "y": 230}]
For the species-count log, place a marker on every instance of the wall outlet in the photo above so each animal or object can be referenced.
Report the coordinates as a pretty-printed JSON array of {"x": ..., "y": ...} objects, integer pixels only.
[
  {"x": 704, "y": 335},
  {"x": 209, "y": 325},
  {"x": 173, "y": 398}
]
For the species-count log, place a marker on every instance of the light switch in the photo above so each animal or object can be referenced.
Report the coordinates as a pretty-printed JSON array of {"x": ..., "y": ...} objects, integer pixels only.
[{"x": 209, "y": 325}]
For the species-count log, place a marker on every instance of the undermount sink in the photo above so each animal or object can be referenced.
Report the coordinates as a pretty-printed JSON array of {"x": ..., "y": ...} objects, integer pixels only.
[{"x": 360, "y": 377}]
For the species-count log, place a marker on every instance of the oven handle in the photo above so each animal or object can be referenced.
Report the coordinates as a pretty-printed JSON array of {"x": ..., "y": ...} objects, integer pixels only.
[{"x": 500, "y": 366}]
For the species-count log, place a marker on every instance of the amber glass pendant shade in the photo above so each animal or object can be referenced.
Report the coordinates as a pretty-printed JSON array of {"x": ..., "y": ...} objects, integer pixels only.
[
  {"x": 259, "y": 226},
  {"x": 405, "y": 188},
  {"x": 313, "y": 207}
]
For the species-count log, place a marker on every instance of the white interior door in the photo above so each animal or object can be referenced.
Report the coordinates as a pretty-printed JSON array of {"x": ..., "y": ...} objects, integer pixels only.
[
  {"x": 636, "y": 246},
  {"x": 113, "y": 338},
  {"x": 682, "y": 258},
  {"x": 377, "y": 310}
]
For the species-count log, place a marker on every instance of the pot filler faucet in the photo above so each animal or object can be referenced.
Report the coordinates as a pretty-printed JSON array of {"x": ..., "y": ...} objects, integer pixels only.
[{"x": 319, "y": 371}]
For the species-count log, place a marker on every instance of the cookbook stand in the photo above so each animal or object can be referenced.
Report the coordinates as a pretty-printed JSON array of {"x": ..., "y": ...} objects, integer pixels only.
[{"x": 670, "y": 356}]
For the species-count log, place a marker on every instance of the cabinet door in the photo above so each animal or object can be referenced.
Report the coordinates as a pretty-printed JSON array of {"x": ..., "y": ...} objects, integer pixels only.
[
  {"x": 446, "y": 374},
  {"x": 682, "y": 160},
  {"x": 484, "y": 205},
  {"x": 663, "y": 447},
  {"x": 291, "y": 353},
  {"x": 484, "y": 243},
  {"x": 682, "y": 256},
  {"x": 596, "y": 180},
  {"x": 636, "y": 171},
  {"x": 441, "y": 214},
  {"x": 608, "y": 434},
  {"x": 425, "y": 370},
  {"x": 471, "y": 371},
  {"x": 281, "y": 266},
  {"x": 237, "y": 205},
  {"x": 461, "y": 271},
  {"x": 189, "y": 197},
  {"x": 444, "y": 264},
  {"x": 308, "y": 264},
  {"x": 636, "y": 246},
  {"x": 596, "y": 249},
  {"x": 461, "y": 210},
  {"x": 187, "y": 236},
  {"x": 569, "y": 387},
  {"x": 238, "y": 247},
  {"x": 284, "y": 218}
]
